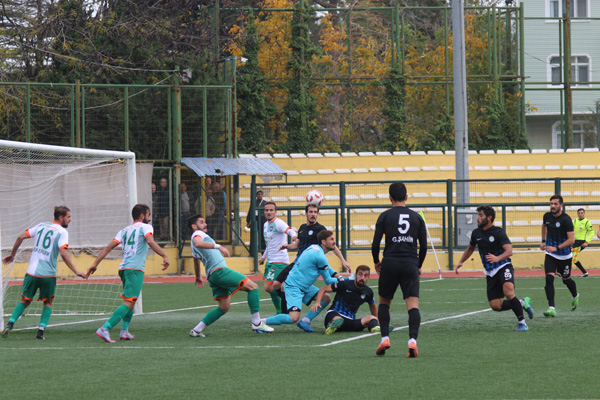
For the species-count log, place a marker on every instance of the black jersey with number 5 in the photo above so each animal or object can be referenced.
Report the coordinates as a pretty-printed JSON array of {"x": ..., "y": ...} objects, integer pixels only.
[{"x": 403, "y": 229}]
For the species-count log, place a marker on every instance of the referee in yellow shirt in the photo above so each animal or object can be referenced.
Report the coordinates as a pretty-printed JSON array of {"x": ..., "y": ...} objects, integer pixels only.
[{"x": 583, "y": 235}]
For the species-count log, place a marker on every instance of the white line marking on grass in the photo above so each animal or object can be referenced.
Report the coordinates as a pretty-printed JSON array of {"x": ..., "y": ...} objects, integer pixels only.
[{"x": 402, "y": 327}]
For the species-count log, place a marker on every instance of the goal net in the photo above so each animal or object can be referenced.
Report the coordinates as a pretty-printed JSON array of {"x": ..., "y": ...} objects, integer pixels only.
[{"x": 98, "y": 186}]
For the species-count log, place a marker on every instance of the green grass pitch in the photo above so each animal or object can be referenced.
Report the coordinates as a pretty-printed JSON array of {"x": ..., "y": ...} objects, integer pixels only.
[{"x": 466, "y": 351}]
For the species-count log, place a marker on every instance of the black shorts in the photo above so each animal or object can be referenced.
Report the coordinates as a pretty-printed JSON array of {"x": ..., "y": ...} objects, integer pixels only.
[
  {"x": 394, "y": 273},
  {"x": 578, "y": 243},
  {"x": 349, "y": 325},
  {"x": 495, "y": 284},
  {"x": 284, "y": 273},
  {"x": 559, "y": 267}
]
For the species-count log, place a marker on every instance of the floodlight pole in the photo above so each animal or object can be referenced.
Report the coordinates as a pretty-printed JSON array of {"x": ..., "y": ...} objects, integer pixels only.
[{"x": 461, "y": 128}]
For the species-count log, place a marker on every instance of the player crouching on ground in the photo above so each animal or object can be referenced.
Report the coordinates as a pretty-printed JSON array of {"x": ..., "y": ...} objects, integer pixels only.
[
  {"x": 350, "y": 295},
  {"x": 223, "y": 281},
  {"x": 495, "y": 250}
]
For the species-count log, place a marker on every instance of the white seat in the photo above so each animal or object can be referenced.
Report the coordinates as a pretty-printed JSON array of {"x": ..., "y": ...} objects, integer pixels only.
[
  {"x": 362, "y": 210},
  {"x": 412, "y": 169},
  {"x": 534, "y": 239},
  {"x": 326, "y": 212},
  {"x": 438, "y": 195},
  {"x": 581, "y": 193},
  {"x": 552, "y": 167},
  {"x": 276, "y": 155},
  {"x": 343, "y": 171},
  {"x": 360, "y": 170},
  {"x": 325, "y": 171},
  {"x": 517, "y": 239},
  {"x": 279, "y": 198},
  {"x": 528, "y": 194},
  {"x": 491, "y": 194},
  {"x": 429, "y": 168},
  {"x": 534, "y": 168},
  {"x": 292, "y": 172},
  {"x": 570, "y": 167},
  {"x": 395, "y": 169},
  {"x": 499, "y": 168},
  {"x": 297, "y": 155},
  {"x": 361, "y": 242},
  {"x": 520, "y": 223},
  {"x": 332, "y": 154},
  {"x": 446, "y": 168},
  {"x": 332, "y": 197},
  {"x": 510, "y": 194},
  {"x": 377, "y": 169},
  {"x": 351, "y": 197},
  {"x": 297, "y": 198},
  {"x": 360, "y": 228},
  {"x": 516, "y": 167},
  {"x": 367, "y": 196},
  {"x": 383, "y": 195},
  {"x": 244, "y": 199},
  {"x": 482, "y": 168},
  {"x": 308, "y": 172},
  {"x": 420, "y": 195},
  {"x": 314, "y": 155}
]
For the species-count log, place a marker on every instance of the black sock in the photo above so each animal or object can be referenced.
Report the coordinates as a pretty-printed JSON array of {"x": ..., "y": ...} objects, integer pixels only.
[
  {"x": 281, "y": 294},
  {"x": 383, "y": 315},
  {"x": 414, "y": 322},
  {"x": 372, "y": 324},
  {"x": 506, "y": 305},
  {"x": 570, "y": 283},
  {"x": 549, "y": 288},
  {"x": 517, "y": 308},
  {"x": 578, "y": 264}
]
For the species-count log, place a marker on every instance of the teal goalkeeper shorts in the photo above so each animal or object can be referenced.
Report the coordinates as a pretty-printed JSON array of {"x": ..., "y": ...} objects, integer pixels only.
[
  {"x": 225, "y": 282},
  {"x": 31, "y": 284},
  {"x": 133, "y": 280}
]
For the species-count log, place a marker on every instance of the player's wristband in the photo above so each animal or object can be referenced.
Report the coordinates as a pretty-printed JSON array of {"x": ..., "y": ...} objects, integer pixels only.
[{"x": 217, "y": 246}]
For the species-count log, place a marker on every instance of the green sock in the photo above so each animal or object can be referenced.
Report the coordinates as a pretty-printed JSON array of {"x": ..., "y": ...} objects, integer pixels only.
[
  {"x": 19, "y": 309},
  {"x": 254, "y": 301},
  {"x": 127, "y": 320},
  {"x": 212, "y": 316},
  {"x": 46, "y": 313},
  {"x": 117, "y": 316},
  {"x": 276, "y": 301}
]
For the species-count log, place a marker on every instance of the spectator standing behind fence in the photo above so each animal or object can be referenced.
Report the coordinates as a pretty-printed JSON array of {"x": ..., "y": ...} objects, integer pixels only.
[
  {"x": 220, "y": 200},
  {"x": 185, "y": 209},
  {"x": 260, "y": 202},
  {"x": 154, "y": 208},
  {"x": 162, "y": 199}
]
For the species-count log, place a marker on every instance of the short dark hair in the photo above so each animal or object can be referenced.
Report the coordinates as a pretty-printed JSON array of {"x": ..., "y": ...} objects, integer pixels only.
[
  {"x": 580, "y": 209},
  {"x": 362, "y": 268},
  {"x": 557, "y": 197},
  {"x": 193, "y": 219},
  {"x": 60, "y": 211},
  {"x": 270, "y": 202},
  {"x": 323, "y": 235},
  {"x": 398, "y": 191},
  {"x": 260, "y": 191},
  {"x": 488, "y": 211},
  {"x": 138, "y": 210},
  {"x": 306, "y": 207}
]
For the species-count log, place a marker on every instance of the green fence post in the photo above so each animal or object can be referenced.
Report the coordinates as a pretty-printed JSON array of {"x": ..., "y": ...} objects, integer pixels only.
[
  {"x": 126, "y": 104},
  {"x": 450, "y": 224},
  {"x": 28, "y": 113},
  {"x": 343, "y": 217}
]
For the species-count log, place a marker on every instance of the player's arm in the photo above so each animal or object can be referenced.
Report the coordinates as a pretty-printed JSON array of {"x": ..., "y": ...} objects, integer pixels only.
[
  {"x": 327, "y": 274},
  {"x": 544, "y": 231},
  {"x": 508, "y": 251},
  {"x": 339, "y": 255},
  {"x": 320, "y": 293},
  {"x": 203, "y": 244},
  {"x": 100, "y": 257},
  {"x": 64, "y": 253},
  {"x": 422, "y": 245},
  {"x": 158, "y": 250},
  {"x": 10, "y": 258},
  {"x": 373, "y": 308},
  {"x": 292, "y": 246},
  {"x": 199, "y": 281},
  {"x": 376, "y": 244},
  {"x": 466, "y": 254},
  {"x": 589, "y": 234}
]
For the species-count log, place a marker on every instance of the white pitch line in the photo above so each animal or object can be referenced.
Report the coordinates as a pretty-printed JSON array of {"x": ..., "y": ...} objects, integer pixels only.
[{"x": 403, "y": 327}]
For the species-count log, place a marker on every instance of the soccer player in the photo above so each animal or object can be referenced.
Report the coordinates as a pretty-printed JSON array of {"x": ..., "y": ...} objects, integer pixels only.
[
  {"x": 307, "y": 235},
  {"x": 350, "y": 295},
  {"x": 50, "y": 240},
  {"x": 135, "y": 240},
  {"x": 495, "y": 250},
  {"x": 557, "y": 238},
  {"x": 223, "y": 281},
  {"x": 401, "y": 265},
  {"x": 299, "y": 285},
  {"x": 584, "y": 232},
  {"x": 275, "y": 232}
]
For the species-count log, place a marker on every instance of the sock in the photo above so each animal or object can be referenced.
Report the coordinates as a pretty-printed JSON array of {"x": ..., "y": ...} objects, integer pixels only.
[
  {"x": 383, "y": 314},
  {"x": 372, "y": 324},
  {"x": 46, "y": 313},
  {"x": 570, "y": 283},
  {"x": 281, "y": 294},
  {"x": 17, "y": 312},
  {"x": 383, "y": 338},
  {"x": 201, "y": 325},
  {"x": 517, "y": 308},
  {"x": 126, "y": 320},
  {"x": 549, "y": 288},
  {"x": 256, "y": 318},
  {"x": 116, "y": 317},
  {"x": 276, "y": 301},
  {"x": 212, "y": 316},
  {"x": 414, "y": 322},
  {"x": 506, "y": 305},
  {"x": 578, "y": 264},
  {"x": 311, "y": 314},
  {"x": 279, "y": 319},
  {"x": 254, "y": 301}
]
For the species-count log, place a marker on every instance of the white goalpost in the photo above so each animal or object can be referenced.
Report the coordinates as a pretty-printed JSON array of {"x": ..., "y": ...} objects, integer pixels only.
[{"x": 98, "y": 186}]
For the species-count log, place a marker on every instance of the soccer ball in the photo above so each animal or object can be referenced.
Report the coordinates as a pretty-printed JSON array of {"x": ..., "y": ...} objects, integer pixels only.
[{"x": 314, "y": 197}]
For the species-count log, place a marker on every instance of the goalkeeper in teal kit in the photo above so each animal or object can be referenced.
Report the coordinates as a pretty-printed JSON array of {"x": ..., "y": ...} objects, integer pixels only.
[{"x": 299, "y": 286}]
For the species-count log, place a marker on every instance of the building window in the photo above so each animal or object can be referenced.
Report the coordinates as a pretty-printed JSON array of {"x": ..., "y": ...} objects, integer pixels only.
[
  {"x": 582, "y": 138},
  {"x": 579, "y": 8},
  {"x": 580, "y": 70}
]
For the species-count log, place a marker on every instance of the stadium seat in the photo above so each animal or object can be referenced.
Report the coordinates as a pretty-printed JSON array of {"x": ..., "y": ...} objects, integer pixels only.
[
  {"x": 517, "y": 239},
  {"x": 360, "y": 170},
  {"x": 377, "y": 169},
  {"x": 314, "y": 155},
  {"x": 325, "y": 171},
  {"x": 297, "y": 155},
  {"x": 368, "y": 196},
  {"x": 395, "y": 169},
  {"x": 412, "y": 169},
  {"x": 332, "y": 155},
  {"x": 343, "y": 171},
  {"x": 308, "y": 172}
]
